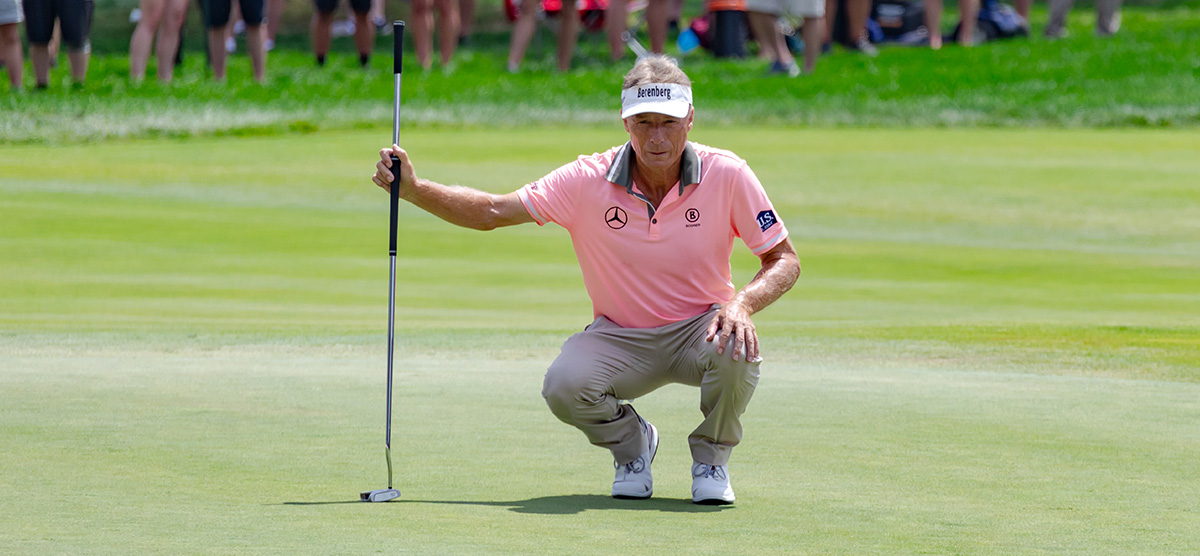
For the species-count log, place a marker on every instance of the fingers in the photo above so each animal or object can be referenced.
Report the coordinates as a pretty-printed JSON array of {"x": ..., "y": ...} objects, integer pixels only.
[
  {"x": 384, "y": 175},
  {"x": 738, "y": 327},
  {"x": 752, "y": 345},
  {"x": 713, "y": 327},
  {"x": 739, "y": 342},
  {"x": 386, "y": 153},
  {"x": 727, "y": 329}
]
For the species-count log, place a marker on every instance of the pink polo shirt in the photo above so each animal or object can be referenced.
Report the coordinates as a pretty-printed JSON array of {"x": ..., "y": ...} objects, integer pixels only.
[{"x": 643, "y": 267}]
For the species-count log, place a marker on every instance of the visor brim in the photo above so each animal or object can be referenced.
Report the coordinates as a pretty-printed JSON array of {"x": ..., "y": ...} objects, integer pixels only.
[{"x": 672, "y": 108}]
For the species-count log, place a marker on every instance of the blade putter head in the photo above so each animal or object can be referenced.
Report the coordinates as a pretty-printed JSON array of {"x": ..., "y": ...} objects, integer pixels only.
[{"x": 381, "y": 495}]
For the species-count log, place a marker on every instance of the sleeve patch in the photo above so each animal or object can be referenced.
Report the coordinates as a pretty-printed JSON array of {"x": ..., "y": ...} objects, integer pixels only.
[{"x": 766, "y": 219}]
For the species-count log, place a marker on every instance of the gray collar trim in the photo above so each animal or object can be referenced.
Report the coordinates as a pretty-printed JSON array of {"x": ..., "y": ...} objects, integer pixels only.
[{"x": 621, "y": 171}]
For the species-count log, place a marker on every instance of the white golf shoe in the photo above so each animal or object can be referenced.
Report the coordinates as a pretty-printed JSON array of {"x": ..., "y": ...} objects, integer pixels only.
[
  {"x": 710, "y": 484},
  {"x": 633, "y": 479}
]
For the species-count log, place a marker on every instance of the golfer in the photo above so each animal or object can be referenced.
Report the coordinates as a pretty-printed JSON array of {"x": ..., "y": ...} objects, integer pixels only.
[{"x": 653, "y": 224}]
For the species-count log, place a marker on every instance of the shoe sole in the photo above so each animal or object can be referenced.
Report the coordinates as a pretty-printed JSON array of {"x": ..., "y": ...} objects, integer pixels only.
[
  {"x": 653, "y": 452},
  {"x": 712, "y": 502}
]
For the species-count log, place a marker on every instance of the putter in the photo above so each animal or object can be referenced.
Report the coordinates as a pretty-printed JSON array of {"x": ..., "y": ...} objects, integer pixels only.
[{"x": 389, "y": 493}]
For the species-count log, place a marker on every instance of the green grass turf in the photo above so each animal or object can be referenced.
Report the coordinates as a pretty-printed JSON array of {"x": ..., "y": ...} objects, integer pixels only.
[
  {"x": 1144, "y": 77},
  {"x": 993, "y": 350}
]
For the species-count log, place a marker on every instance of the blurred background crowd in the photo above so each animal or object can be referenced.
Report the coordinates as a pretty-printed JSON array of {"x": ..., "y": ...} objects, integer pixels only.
[{"x": 778, "y": 31}]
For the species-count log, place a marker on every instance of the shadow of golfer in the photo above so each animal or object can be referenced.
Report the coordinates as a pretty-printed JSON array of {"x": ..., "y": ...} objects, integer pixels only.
[{"x": 561, "y": 505}]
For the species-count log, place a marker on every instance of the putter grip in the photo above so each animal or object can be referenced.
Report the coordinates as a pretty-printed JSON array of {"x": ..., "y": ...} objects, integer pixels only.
[
  {"x": 395, "y": 194},
  {"x": 397, "y": 45}
]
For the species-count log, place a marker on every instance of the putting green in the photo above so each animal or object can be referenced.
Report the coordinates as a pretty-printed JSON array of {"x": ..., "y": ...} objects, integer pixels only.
[{"x": 992, "y": 350}]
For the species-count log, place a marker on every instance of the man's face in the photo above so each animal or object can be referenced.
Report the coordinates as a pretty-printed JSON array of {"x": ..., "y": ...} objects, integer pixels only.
[{"x": 658, "y": 139}]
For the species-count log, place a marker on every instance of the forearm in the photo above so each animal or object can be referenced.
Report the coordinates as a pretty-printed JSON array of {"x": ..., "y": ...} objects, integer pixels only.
[
  {"x": 461, "y": 206},
  {"x": 777, "y": 275}
]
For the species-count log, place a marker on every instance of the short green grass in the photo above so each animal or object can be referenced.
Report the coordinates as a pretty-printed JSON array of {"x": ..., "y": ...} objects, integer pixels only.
[
  {"x": 992, "y": 350},
  {"x": 1144, "y": 77}
]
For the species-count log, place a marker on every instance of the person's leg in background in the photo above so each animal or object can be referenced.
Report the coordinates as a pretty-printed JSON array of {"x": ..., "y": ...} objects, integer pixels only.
[
  {"x": 857, "y": 12},
  {"x": 143, "y": 37},
  {"x": 966, "y": 32},
  {"x": 1022, "y": 7},
  {"x": 448, "y": 28},
  {"x": 216, "y": 20},
  {"x": 1056, "y": 27},
  {"x": 253, "y": 12},
  {"x": 763, "y": 19},
  {"x": 933, "y": 22},
  {"x": 422, "y": 28},
  {"x": 169, "y": 38},
  {"x": 1108, "y": 17},
  {"x": 274, "y": 16},
  {"x": 321, "y": 28},
  {"x": 968, "y": 20},
  {"x": 568, "y": 36},
  {"x": 831, "y": 11},
  {"x": 811, "y": 29},
  {"x": 658, "y": 12},
  {"x": 466, "y": 10},
  {"x": 522, "y": 33},
  {"x": 364, "y": 30},
  {"x": 39, "y": 29},
  {"x": 10, "y": 49},
  {"x": 75, "y": 20},
  {"x": 615, "y": 25},
  {"x": 235, "y": 15}
]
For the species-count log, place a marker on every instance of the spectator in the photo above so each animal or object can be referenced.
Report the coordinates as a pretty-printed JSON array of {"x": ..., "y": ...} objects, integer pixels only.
[
  {"x": 164, "y": 17},
  {"x": 422, "y": 26},
  {"x": 616, "y": 23},
  {"x": 857, "y": 12},
  {"x": 10, "y": 41},
  {"x": 966, "y": 30},
  {"x": 568, "y": 33},
  {"x": 1022, "y": 7},
  {"x": 1108, "y": 18},
  {"x": 217, "y": 19},
  {"x": 764, "y": 15},
  {"x": 364, "y": 29},
  {"x": 466, "y": 10},
  {"x": 75, "y": 18},
  {"x": 274, "y": 16}
]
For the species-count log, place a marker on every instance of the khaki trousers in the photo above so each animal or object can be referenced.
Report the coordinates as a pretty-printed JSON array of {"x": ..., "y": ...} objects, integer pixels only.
[
  {"x": 1108, "y": 17},
  {"x": 605, "y": 364}
]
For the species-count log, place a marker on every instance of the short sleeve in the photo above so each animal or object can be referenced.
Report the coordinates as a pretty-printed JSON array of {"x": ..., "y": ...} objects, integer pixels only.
[
  {"x": 554, "y": 197},
  {"x": 754, "y": 217}
]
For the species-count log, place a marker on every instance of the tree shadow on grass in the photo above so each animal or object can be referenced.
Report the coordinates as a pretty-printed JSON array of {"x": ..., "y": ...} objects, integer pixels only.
[{"x": 561, "y": 505}]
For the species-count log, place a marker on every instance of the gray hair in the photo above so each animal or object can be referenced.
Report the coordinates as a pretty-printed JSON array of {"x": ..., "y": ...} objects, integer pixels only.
[{"x": 656, "y": 69}]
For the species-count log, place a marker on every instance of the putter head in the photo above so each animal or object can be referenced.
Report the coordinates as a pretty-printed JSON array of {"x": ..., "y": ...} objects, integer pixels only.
[{"x": 381, "y": 495}]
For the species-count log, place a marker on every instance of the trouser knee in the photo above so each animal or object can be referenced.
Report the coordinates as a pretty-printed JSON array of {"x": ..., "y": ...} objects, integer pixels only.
[
  {"x": 566, "y": 394},
  {"x": 725, "y": 371}
]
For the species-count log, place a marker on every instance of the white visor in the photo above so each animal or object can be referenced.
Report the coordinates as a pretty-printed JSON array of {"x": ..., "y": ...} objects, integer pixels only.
[{"x": 663, "y": 98}]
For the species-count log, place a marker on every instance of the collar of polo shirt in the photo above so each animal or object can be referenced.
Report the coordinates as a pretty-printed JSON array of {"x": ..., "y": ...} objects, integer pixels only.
[{"x": 621, "y": 171}]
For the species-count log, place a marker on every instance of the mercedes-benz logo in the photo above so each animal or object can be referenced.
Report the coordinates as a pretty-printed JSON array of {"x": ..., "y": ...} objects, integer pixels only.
[
  {"x": 692, "y": 215},
  {"x": 616, "y": 218}
]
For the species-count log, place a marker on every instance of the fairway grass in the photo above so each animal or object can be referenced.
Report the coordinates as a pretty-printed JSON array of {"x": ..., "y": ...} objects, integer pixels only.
[{"x": 993, "y": 349}]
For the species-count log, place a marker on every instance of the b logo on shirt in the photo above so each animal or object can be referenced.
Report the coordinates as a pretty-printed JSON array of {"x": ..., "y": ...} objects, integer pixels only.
[
  {"x": 766, "y": 219},
  {"x": 616, "y": 218},
  {"x": 692, "y": 215}
]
